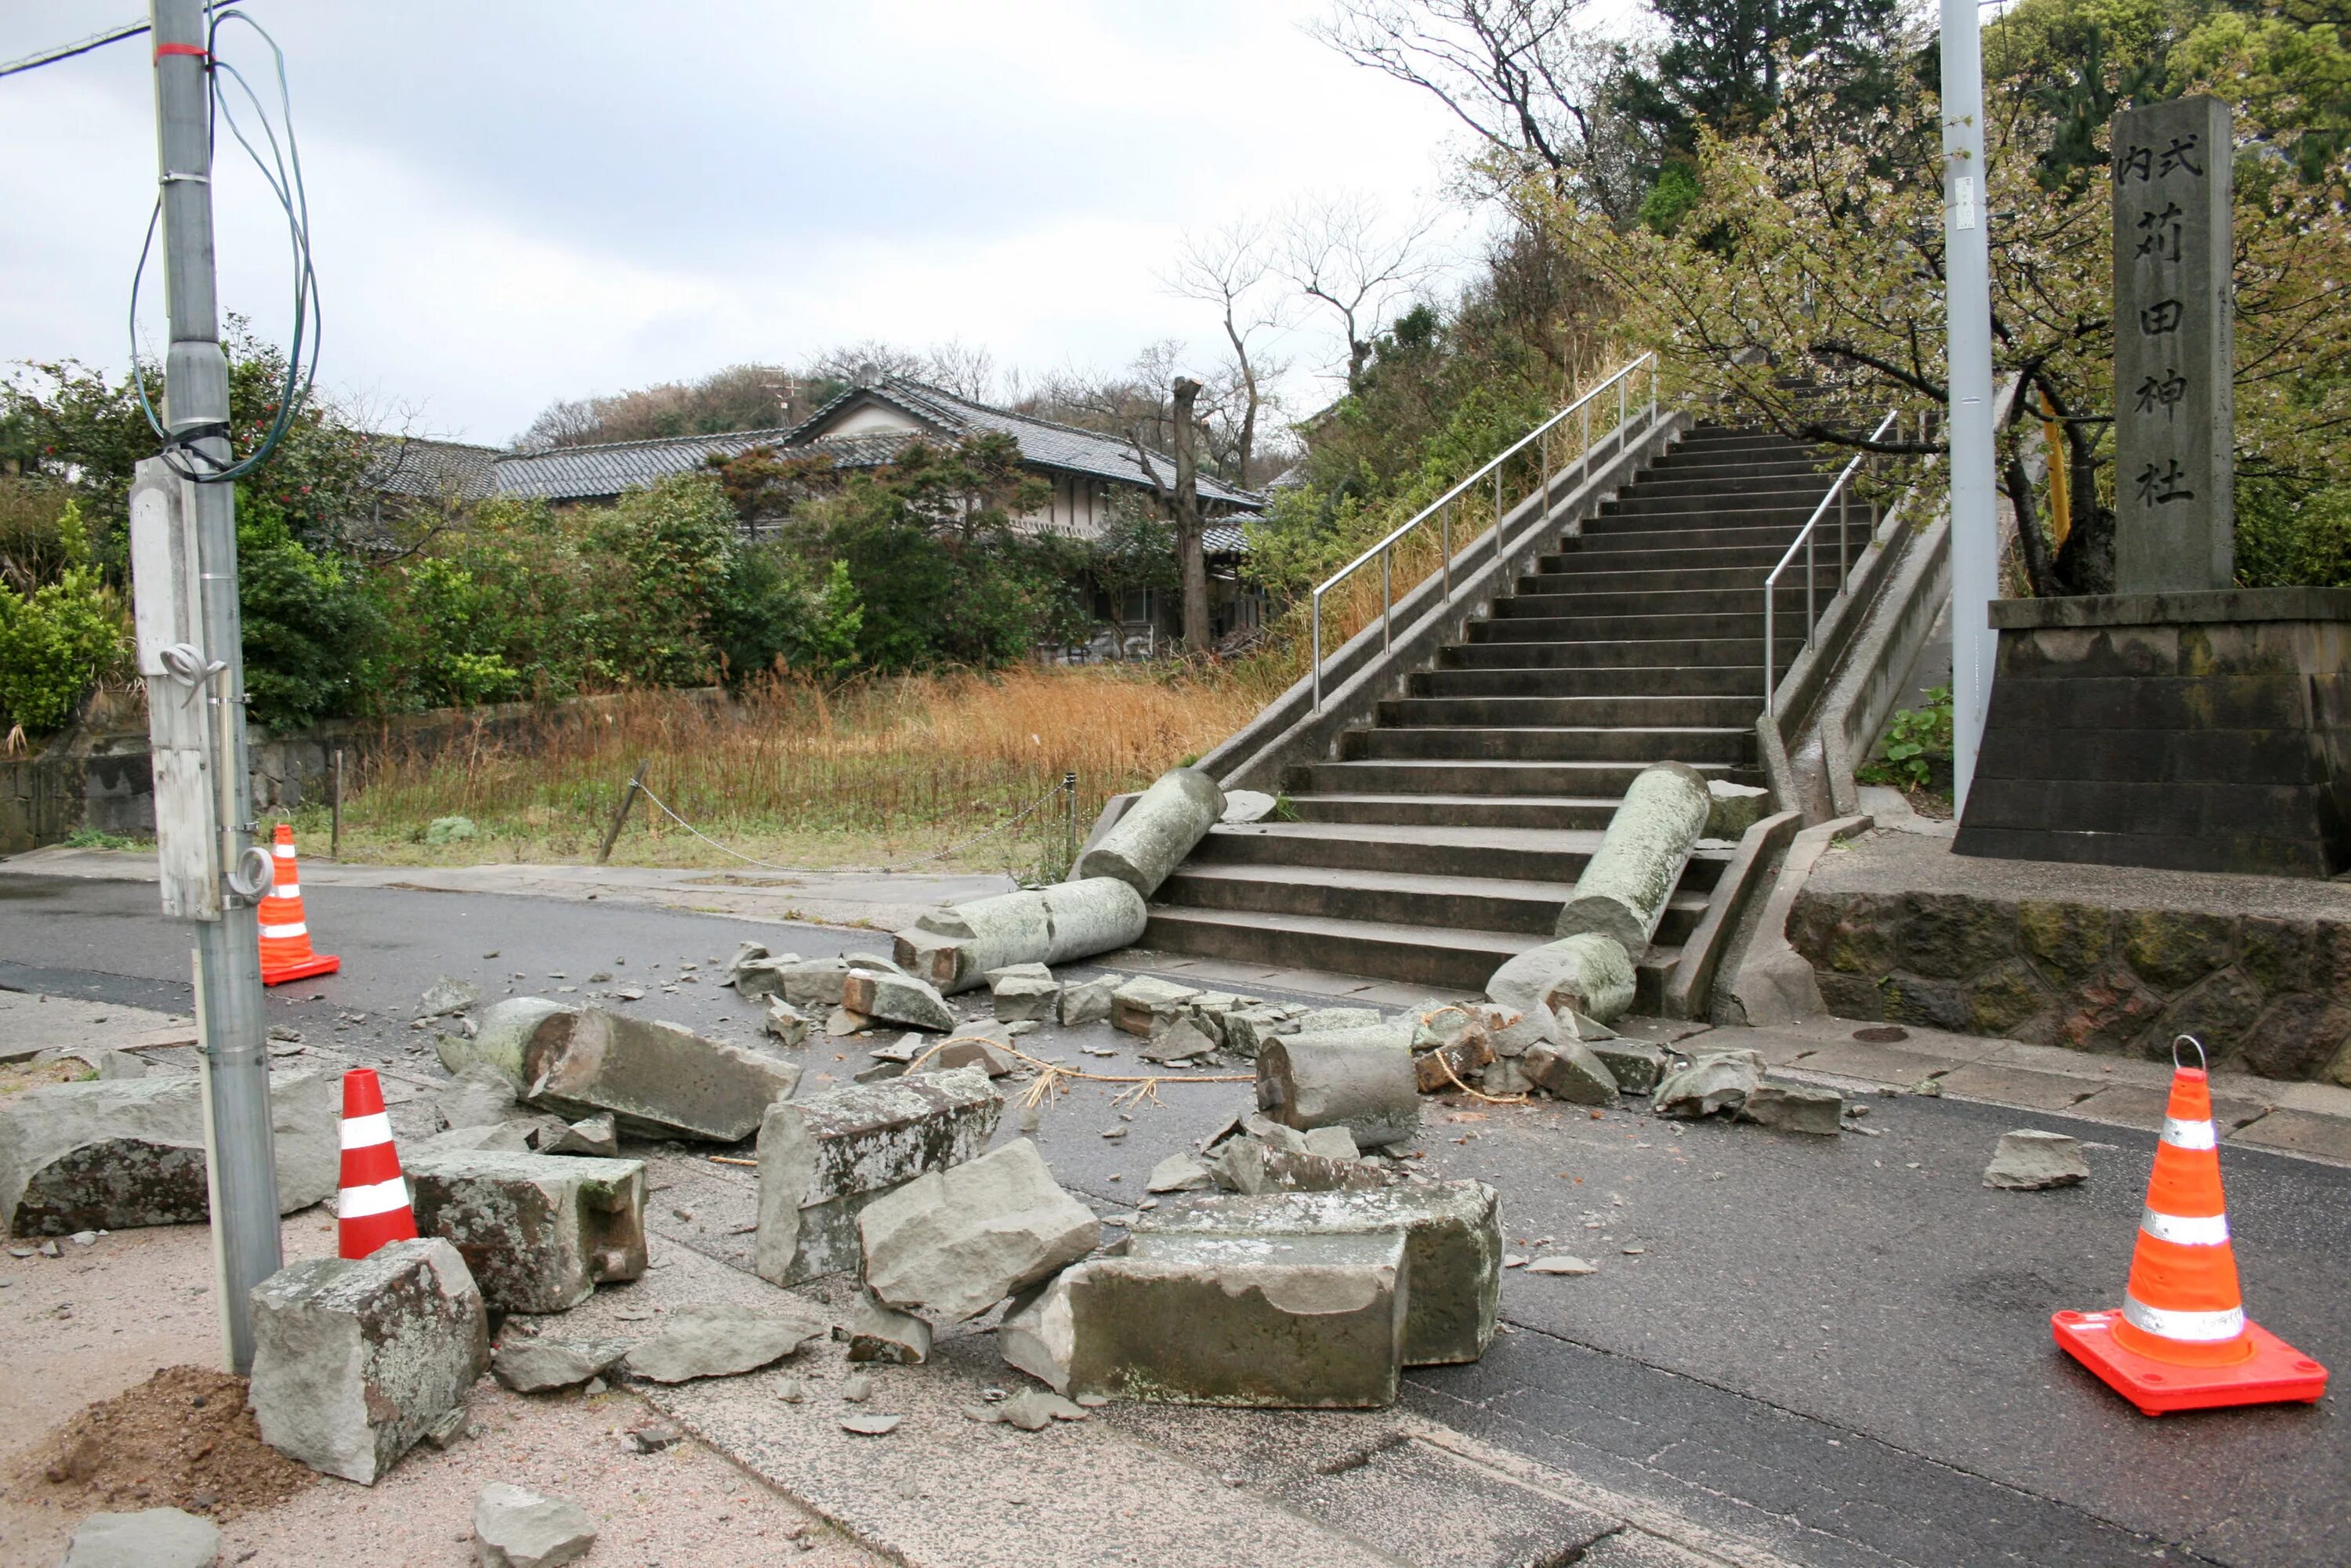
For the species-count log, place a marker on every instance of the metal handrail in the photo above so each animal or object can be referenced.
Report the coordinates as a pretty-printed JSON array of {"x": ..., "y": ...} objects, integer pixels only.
[
  {"x": 1806, "y": 540},
  {"x": 1385, "y": 549}
]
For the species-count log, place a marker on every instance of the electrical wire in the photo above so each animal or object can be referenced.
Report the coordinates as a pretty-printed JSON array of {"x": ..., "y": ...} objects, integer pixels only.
[
  {"x": 282, "y": 173},
  {"x": 67, "y": 51}
]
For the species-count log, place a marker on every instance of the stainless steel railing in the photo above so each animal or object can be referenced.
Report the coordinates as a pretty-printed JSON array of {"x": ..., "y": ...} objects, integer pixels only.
[
  {"x": 1808, "y": 540},
  {"x": 1443, "y": 507}
]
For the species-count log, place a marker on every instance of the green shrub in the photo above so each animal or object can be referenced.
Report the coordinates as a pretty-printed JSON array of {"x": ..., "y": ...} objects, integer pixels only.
[
  {"x": 55, "y": 644},
  {"x": 1915, "y": 739},
  {"x": 310, "y": 630}
]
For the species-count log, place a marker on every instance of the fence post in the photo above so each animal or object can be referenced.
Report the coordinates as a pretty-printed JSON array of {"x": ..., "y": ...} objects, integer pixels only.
[
  {"x": 335, "y": 810},
  {"x": 621, "y": 812},
  {"x": 1069, "y": 787}
]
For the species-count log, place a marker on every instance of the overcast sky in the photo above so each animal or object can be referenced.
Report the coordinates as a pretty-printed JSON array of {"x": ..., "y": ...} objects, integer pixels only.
[{"x": 527, "y": 200}]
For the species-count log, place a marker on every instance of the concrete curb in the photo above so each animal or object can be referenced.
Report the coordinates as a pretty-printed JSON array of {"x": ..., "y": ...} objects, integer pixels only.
[{"x": 1774, "y": 984}]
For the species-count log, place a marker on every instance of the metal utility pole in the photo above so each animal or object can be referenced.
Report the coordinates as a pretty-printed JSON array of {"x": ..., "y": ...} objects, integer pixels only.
[
  {"x": 1967, "y": 274},
  {"x": 219, "y": 833}
]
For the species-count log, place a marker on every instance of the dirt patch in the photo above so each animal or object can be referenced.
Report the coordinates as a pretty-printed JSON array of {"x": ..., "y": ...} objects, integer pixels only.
[
  {"x": 183, "y": 1439},
  {"x": 16, "y": 1077}
]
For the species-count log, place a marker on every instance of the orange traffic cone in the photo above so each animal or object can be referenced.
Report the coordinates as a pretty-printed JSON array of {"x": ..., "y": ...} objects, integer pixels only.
[
  {"x": 371, "y": 1207},
  {"x": 2181, "y": 1340},
  {"x": 284, "y": 937}
]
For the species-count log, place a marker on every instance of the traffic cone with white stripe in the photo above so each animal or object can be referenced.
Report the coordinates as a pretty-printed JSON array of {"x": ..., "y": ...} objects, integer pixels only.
[
  {"x": 371, "y": 1207},
  {"x": 284, "y": 935},
  {"x": 2181, "y": 1340}
]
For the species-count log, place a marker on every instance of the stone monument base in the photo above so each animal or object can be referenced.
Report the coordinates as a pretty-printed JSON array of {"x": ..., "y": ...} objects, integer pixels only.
[{"x": 2194, "y": 731}]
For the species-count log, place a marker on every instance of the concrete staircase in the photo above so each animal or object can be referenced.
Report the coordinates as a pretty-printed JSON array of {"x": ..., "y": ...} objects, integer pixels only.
[{"x": 1445, "y": 837}]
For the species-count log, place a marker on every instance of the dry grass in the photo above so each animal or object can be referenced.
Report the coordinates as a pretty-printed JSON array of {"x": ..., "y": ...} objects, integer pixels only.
[{"x": 882, "y": 772}]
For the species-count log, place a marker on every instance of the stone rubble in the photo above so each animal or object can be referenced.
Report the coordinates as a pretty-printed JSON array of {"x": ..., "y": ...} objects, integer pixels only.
[
  {"x": 1361, "y": 1079},
  {"x": 951, "y": 1243},
  {"x": 786, "y": 1023},
  {"x": 538, "y": 1232},
  {"x": 518, "y": 1528},
  {"x": 1138, "y": 1005},
  {"x": 1163, "y": 825},
  {"x": 1087, "y": 1001},
  {"x": 1794, "y": 1108},
  {"x": 972, "y": 1050},
  {"x": 1024, "y": 993},
  {"x": 876, "y": 1332},
  {"x": 446, "y": 995},
  {"x": 897, "y": 998},
  {"x": 543, "y": 1366},
  {"x": 1569, "y": 1070},
  {"x": 1177, "y": 1038},
  {"x": 355, "y": 1360},
  {"x": 823, "y": 1159},
  {"x": 1714, "y": 1083},
  {"x": 481, "y": 1096},
  {"x": 2030, "y": 1160},
  {"x": 1048, "y": 926},
  {"x": 112, "y": 1155},
  {"x": 723, "y": 1341},
  {"x": 1635, "y": 1064},
  {"x": 660, "y": 1079}
]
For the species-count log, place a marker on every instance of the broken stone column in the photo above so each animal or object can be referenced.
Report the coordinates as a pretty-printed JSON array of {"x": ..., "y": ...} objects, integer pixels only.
[
  {"x": 927, "y": 956},
  {"x": 1590, "y": 973},
  {"x": 1165, "y": 823},
  {"x": 1253, "y": 1165},
  {"x": 1569, "y": 1070},
  {"x": 1361, "y": 1079},
  {"x": 114, "y": 1153},
  {"x": 1624, "y": 889},
  {"x": 354, "y": 1360},
  {"x": 1307, "y": 1322},
  {"x": 501, "y": 1037},
  {"x": 1055, "y": 925},
  {"x": 1024, "y": 993},
  {"x": 660, "y": 1079},
  {"x": 951, "y": 1243},
  {"x": 897, "y": 998},
  {"x": 538, "y": 1232},
  {"x": 1453, "y": 1245},
  {"x": 823, "y": 1160}
]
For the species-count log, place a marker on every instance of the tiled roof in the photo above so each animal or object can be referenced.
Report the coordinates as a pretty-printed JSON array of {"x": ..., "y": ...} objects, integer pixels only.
[
  {"x": 430, "y": 470},
  {"x": 592, "y": 473},
  {"x": 1043, "y": 441}
]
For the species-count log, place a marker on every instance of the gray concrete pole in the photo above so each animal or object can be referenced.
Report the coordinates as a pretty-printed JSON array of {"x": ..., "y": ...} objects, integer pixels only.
[
  {"x": 243, "y": 1164},
  {"x": 1966, "y": 273}
]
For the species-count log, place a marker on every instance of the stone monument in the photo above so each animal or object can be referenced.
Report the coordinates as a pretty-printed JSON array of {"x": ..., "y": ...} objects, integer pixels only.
[{"x": 2179, "y": 721}]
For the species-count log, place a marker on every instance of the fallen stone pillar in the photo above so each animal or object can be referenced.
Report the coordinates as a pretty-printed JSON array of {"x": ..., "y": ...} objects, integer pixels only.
[
  {"x": 1590, "y": 973},
  {"x": 538, "y": 1232},
  {"x": 823, "y": 1160},
  {"x": 1453, "y": 1245},
  {"x": 1624, "y": 889},
  {"x": 1055, "y": 925},
  {"x": 660, "y": 1079},
  {"x": 114, "y": 1153},
  {"x": 1165, "y": 823},
  {"x": 953, "y": 1242},
  {"x": 1312, "y": 1322},
  {"x": 927, "y": 956},
  {"x": 353, "y": 1360},
  {"x": 1361, "y": 1079},
  {"x": 501, "y": 1037}
]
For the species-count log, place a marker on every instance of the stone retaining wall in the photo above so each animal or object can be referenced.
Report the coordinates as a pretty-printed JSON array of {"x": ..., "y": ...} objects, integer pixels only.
[{"x": 2269, "y": 995}]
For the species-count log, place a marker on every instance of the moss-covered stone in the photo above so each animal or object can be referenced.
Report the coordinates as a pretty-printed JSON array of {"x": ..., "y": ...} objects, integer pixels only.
[
  {"x": 1852, "y": 934},
  {"x": 2002, "y": 1001},
  {"x": 1935, "y": 1004},
  {"x": 1951, "y": 937},
  {"x": 2171, "y": 949},
  {"x": 2330, "y": 959},
  {"x": 2072, "y": 939},
  {"x": 1851, "y": 996},
  {"x": 2106, "y": 1013},
  {"x": 2219, "y": 1011},
  {"x": 2276, "y": 954},
  {"x": 2300, "y": 1037}
]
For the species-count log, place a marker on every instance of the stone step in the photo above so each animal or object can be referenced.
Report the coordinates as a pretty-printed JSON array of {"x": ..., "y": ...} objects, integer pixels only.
[
  {"x": 1636, "y": 629},
  {"x": 1592, "y": 653},
  {"x": 1703, "y": 463},
  {"x": 1735, "y": 483},
  {"x": 1502, "y": 854},
  {"x": 1577, "y": 601},
  {"x": 1449, "y": 776},
  {"x": 1755, "y": 560},
  {"x": 1633, "y": 713},
  {"x": 1744, "y": 681},
  {"x": 1395, "y": 898},
  {"x": 1775, "y": 538},
  {"x": 1597, "y": 743},
  {"x": 1583, "y": 580},
  {"x": 1636, "y": 508},
  {"x": 1549, "y": 814}
]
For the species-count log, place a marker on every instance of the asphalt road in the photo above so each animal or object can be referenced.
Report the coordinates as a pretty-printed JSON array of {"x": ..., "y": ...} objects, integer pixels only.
[{"x": 1837, "y": 1347}]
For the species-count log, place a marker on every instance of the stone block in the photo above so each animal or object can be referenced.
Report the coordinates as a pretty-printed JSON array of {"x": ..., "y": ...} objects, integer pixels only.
[
  {"x": 2298, "y": 1038},
  {"x": 1955, "y": 937},
  {"x": 2072, "y": 939},
  {"x": 1177, "y": 1038},
  {"x": 1087, "y": 1001},
  {"x": 152, "y": 1538},
  {"x": 597, "y": 1136},
  {"x": 1716, "y": 1083},
  {"x": 482, "y": 1096},
  {"x": 786, "y": 1023},
  {"x": 1732, "y": 808},
  {"x": 1569, "y": 1070},
  {"x": 1164, "y": 824},
  {"x": 1034, "y": 1334},
  {"x": 1137, "y": 1005},
  {"x": 2029, "y": 1160},
  {"x": 876, "y": 1332},
  {"x": 518, "y": 1528},
  {"x": 823, "y": 1159},
  {"x": 1253, "y": 1165},
  {"x": 1179, "y": 1172},
  {"x": 538, "y": 1232},
  {"x": 953, "y": 1242},
  {"x": 927, "y": 956},
  {"x": 1024, "y": 999},
  {"x": 1312, "y": 1322},
  {"x": 1361, "y": 1079},
  {"x": 1453, "y": 1247},
  {"x": 897, "y": 998},
  {"x": 1248, "y": 1029},
  {"x": 813, "y": 982},
  {"x": 115, "y": 1153},
  {"x": 2172, "y": 949},
  {"x": 543, "y": 1366},
  {"x": 724, "y": 1340},
  {"x": 1635, "y": 1064},
  {"x": 659, "y": 1079},
  {"x": 354, "y": 1360},
  {"x": 1794, "y": 1108}
]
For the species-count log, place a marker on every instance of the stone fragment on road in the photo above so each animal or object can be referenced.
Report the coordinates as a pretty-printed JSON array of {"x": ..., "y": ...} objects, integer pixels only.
[
  {"x": 824, "y": 1159},
  {"x": 354, "y": 1360},
  {"x": 813, "y": 982},
  {"x": 785, "y": 1022},
  {"x": 1636, "y": 1065},
  {"x": 723, "y": 1341},
  {"x": 1138, "y": 1005},
  {"x": 897, "y": 998},
  {"x": 543, "y": 1366},
  {"x": 1248, "y": 1029},
  {"x": 841, "y": 1022},
  {"x": 152, "y": 1538},
  {"x": 1714, "y": 1083},
  {"x": 597, "y": 1136},
  {"x": 1086, "y": 1002},
  {"x": 1179, "y": 1173},
  {"x": 1177, "y": 1038},
  {"x": 657, "y": 1078},
  {"x": 1562, "y": 1263},
  {"x": 972, "y": 1051},
  {"x": 112, "y": 1155},
  {"x": 482, "y": 1096},
  {"x": 871, "y": 1425},
  {"x": 2030, "y": 1160},
  {"x": 1024, "y": 992},
  {"x": 1794, "y": 1108},
  {"x": 446, "y": 995},
  {"x": 538, "y": 1232},
  {"x": 953, "y": 1242},
  {"x": 1569, "y": 1070},
  {"x": 1361, "y": 1079},
  {"x": 517, "y": 1528},
  {"x": 1033, "y": 1410},
  {"x": 876, "y": 1332},
  {"x": 1453, "y": 1247}
]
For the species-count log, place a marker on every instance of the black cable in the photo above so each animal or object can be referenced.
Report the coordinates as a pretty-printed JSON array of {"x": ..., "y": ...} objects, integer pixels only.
[{"x": 67, "y": 51}]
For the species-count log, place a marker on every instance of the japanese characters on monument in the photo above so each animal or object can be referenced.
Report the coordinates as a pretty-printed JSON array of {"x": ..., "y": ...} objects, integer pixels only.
[{"x": 2175, "y": 338}]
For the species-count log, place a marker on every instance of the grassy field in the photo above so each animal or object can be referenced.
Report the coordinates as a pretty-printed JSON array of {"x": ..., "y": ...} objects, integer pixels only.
[{"x": 882, "y": 772}]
